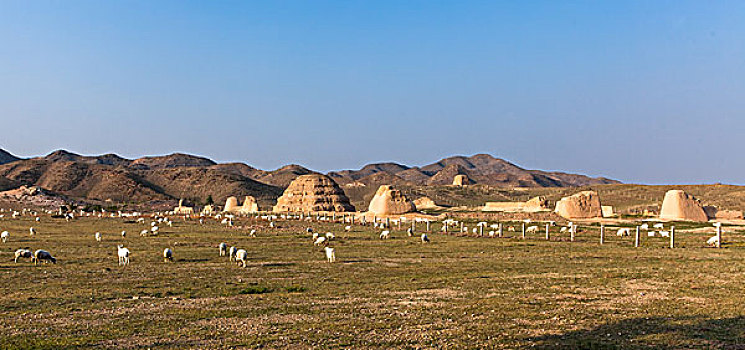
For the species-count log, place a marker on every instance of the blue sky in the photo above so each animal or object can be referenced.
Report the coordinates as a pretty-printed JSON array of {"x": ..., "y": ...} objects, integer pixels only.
[{"x": 641, "y": 91}]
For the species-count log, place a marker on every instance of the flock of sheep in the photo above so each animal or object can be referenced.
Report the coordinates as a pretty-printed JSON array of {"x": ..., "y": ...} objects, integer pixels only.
[{"x": 239, "y": 256}]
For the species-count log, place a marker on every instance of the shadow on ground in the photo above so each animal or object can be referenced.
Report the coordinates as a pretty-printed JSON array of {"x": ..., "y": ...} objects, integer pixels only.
[{"x": 651, "y": 333}]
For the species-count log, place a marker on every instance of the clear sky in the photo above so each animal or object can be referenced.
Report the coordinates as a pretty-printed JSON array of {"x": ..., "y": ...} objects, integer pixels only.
[{"x": 642, "y": 91}]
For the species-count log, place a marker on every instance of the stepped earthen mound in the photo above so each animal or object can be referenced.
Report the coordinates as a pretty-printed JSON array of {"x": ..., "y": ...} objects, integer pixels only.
[
  {"x": 250, "y": 205},
  {"x": 182, "y": 210},
  {"x": 679, "y": 205},
  {"x": 425, "y": 203},
  {"x": 583, "y": 205},
  {"x": 539, "y": 203},
  {"x": 313, "y": 192},
  {"x": 231, "y": 204},
  {"x": 460, "y": 180},
  {"x": 390, "y": 201}
]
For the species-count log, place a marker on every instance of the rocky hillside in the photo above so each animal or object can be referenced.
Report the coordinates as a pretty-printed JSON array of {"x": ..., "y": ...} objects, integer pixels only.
[
  {"x": 480, "y": 169},
  {"x": 113, "y": 179}
]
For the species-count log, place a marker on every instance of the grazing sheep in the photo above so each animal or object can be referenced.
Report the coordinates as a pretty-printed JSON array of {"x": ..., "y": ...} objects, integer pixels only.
[
  {"x": 532, "y": 229},
  {"x": 491, "y": 233},
  {"x": 348, "y": 228},
  {"x": 123, "y": 254},
  {"x": 623, "y": 232},
  {"x": 124, "y": 234},
  {"x": 252, "y": 233},
  {"x": 4, "y": 236},
  {"x": 271, "y": 224},
  {"x": 98, "y": 236},
  {"x": 712, "y": 241},
  {"x": 144, "y": 233},
  {"x": 329, "y": 236},
  {"x": 43, "y": 256},
  {"x": 23, "y": 253},
  {"x": 425, "y": 238},
  {"x": 167, "y": 255},
  {"x": 319, "y": 241},
  {"x": 315, "y": 236},
  {"x": 665, "y": 234},
  {"x": 330, "y": 254},
  {"x": 155, "y": 229},
  {"x": 644, "y": 227},
  {"x": 37, "y": 219},
  {"x": 410, "y": 232},
  {"x": 651, "y": 233},
  {"x": 223, "y": 248},
  {"x": 511, "y": 229},
  {"x": 385, "y": 234},
  {"x": 231, "y": 253},
  {"x": 240, "y": 257},
  {"x": 31, "y": 231},
  {"x": 659, "y": 226}
]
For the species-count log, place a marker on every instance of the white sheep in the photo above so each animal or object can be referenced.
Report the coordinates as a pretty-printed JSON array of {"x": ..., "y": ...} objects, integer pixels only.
[
  {"x": 329, "y": 236},
  {"x": 43, "y": 256},
  {"x": 425, "y": 238},
  {"x": 319, "y": 241},
  {"x": 37, "y": 219},
  {"x": 532, "y": 229},
  {"x": 123, "y": 254},
  {"x": 511, "y": 229},
  {"x": 252, "y": 233},
  {"x": 23, "y": 253},
  {"x": 712, "y": 241},
  {"x": 410, "y": 232},
  {"x": 348, "y": 228},
  {"x": 271, "y": 224},
  {"x": 167, "y": 254},
  {"x": 124, "y": 234},
  {"x": 385, "y": 234},
  {"x": 4, "y": 236},
  {"x": 155, "y": 229},
  {"x": 223, "y": 248},
  {"x": 315, "y": 236},
  {"x": 232, "y": 252},
  {"x": 31, "y": 231},
  {"x": 651, "y": 233},
  {"x": 623, "y": 232},
  {"x": 665, "y": 234},
  {"x": 98, "y": 236},
  {"x": 144, "y": 233},
  {"x": 659, "y": 226},
  {"x": 644, "y": 227},
  {"x": 330, "y": 254},
  {"x": 564, "y": 229},
  {"x": 240, "y": 257},
  {"x": 491, "y": 233}
]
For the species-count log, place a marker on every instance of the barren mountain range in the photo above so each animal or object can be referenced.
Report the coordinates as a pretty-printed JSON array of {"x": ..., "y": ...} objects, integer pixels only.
[{"x": 112, "y": 179}]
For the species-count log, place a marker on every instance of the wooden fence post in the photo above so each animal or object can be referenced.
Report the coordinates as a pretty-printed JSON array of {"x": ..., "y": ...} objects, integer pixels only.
[
  {"x": 672, "y": 237},
  {"x": 523, "y": 230},
  {"x": 500, "y": 229},
  {"x": 637, "y": 238},
  {"x": 547, "y": 234},
  {"x": 571, "y": 233},
  {"x": 602, "y": 234},
  {"x": 719, "y": 236}
]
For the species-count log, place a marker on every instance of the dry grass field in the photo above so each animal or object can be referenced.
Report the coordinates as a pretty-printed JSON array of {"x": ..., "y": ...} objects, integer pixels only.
[{"x": 456, "y": 292}]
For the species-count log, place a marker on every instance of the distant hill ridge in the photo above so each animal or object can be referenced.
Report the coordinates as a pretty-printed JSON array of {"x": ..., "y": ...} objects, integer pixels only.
[{"x": 111, "y": 178}]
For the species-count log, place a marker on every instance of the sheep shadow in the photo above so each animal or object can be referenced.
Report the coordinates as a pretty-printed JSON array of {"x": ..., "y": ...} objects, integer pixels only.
[{"x": 651, "y": 333}]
